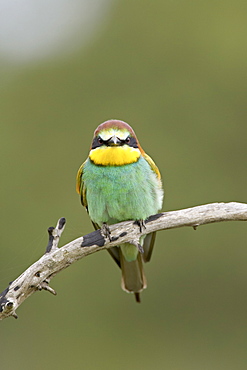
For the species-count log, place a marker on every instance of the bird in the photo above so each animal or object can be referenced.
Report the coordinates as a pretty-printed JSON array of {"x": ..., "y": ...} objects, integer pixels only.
[{"x": 120, "y": 182}]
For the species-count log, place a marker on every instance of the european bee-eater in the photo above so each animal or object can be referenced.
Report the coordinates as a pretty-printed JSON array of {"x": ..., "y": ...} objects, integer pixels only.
[{"x": 120, "y": 182}]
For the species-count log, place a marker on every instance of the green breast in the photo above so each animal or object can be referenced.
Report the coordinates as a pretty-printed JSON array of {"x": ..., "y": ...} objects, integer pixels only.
[{"x": 119, "y": 193}]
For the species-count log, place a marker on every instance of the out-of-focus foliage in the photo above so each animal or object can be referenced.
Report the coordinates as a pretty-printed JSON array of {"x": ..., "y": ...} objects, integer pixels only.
[{"x": 177, "y": 72}]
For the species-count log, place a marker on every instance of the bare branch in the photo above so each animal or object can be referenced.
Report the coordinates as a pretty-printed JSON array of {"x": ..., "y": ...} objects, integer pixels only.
[{"x": 39, "y": 274}]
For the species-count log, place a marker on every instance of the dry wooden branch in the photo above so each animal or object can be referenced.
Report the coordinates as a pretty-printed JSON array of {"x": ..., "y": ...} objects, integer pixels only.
[{"x": 39, "y": 274}]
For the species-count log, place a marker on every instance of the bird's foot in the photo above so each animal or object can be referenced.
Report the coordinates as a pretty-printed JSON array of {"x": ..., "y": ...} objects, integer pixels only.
[
  {"x": 141, "y": 224},
  {"x": 106, "y": 231}
]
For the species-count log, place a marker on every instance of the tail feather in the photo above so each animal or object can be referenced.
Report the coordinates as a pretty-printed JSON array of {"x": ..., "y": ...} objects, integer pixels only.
[
  {"x": 138, "y": 297},
  {"x": 133, "y": 278},
  {"x": 148, "y": 246}
]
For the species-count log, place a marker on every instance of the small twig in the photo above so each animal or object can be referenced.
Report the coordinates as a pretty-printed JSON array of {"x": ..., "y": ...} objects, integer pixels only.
[
  {"x": 54, "y": 235},
  {"x": 38, "y": 276}
]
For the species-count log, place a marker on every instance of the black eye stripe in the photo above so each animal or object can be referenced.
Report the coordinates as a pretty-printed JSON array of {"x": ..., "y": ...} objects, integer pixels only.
[
  {"x": 98, "y": 141},
  {"x": 132, "y": 142}
]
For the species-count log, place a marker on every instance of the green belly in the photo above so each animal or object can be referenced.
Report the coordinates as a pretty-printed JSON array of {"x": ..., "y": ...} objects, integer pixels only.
[{"x": 119, "y": 193}]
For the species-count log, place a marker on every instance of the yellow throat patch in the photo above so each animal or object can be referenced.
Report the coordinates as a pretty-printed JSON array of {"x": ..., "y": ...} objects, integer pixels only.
[{"x": 114, "y": 155}]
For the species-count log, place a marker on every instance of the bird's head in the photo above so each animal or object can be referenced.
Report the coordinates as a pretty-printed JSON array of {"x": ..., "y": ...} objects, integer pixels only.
[{"x": 115, "y": 144}]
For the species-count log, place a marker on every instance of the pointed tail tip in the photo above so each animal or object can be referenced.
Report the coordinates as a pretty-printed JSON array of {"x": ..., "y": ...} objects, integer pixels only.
[{"x": 138, "y": 297}]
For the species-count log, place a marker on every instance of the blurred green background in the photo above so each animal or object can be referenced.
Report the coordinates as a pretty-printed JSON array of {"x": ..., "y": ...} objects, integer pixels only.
[{"x": 177, "y": 72}]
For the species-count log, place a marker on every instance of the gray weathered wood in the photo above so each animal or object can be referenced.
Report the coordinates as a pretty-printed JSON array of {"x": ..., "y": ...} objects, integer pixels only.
[{"x": 39, "y": 274}]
